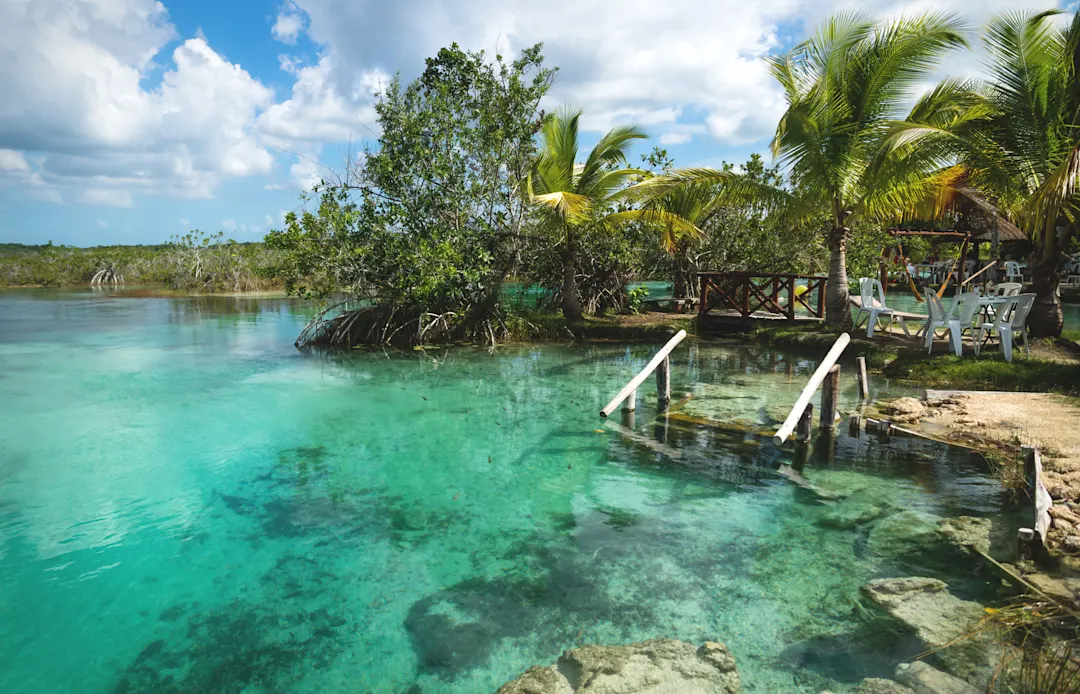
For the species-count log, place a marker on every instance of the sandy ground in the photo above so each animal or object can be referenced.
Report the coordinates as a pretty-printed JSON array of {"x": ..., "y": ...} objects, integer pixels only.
[{"x": 1002, "y": 423}]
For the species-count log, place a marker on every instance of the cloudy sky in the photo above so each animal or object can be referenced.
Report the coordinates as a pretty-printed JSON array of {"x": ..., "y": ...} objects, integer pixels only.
[{"x": 128, "y": 121}]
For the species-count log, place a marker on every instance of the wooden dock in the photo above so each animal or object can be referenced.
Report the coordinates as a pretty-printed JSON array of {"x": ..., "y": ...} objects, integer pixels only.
[{"x": 732, "y": 301}]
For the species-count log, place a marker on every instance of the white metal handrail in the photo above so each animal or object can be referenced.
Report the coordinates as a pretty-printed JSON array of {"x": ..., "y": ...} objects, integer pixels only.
[
  {"x": 811, "y": 387},
  {"x": 631, "y": 387}
]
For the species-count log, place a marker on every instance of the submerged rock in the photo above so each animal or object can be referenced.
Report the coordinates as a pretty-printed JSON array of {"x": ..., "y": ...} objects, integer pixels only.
[
  {"x": 660, "y": 666},
  {"x": 876, "y": 685},
  {"x": 979, "y": 534},
  {"x": 906, "y": 532},
  {"x": 925, "y": 679},
  {"x": 852, "y": 511},
  {"x": 938, "y": 618}
]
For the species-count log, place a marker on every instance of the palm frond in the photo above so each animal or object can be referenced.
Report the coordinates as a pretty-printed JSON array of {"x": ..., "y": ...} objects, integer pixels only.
[
  {"x": 608, "y": 153},
  {"x": 566, "y": 205},
  {"x": 672, "y": 226}
]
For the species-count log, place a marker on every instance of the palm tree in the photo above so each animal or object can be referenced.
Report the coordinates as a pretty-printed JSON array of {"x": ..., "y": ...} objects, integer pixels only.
[
  {"x": 575, "y": 198},
  {"x": 695, "y": 203},
  {"x": 843, "y": 86},
  {"x": 1021, "y": 146}
]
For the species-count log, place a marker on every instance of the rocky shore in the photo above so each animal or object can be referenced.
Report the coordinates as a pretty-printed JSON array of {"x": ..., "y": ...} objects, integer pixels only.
[{"x": 660, "y": 666}]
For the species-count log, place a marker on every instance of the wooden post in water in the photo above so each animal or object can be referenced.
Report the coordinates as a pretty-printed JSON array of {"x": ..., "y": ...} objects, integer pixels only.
[
  {"x": 628, "y": 407},
  {"x": 830, "y": 395},
  {"x": 864, "y": 383},
  {"x": 806, "y": 423},
  {"x": 663, "y": 384},
  {"x": 855, "y": 426}
]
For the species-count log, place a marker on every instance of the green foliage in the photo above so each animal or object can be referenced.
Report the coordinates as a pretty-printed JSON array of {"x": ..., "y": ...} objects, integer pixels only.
[
  {"x": 430, "y": 223},
  {"x": 200, "y": 262},
  {"x": 843, "y": 86},
  {"x": 1016, "y": 138},
  {"x": 636, "y": 297},
  {"x": 224, "y": 265}
]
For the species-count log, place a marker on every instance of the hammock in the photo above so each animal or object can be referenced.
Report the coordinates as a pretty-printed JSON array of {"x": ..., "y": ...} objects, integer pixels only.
[{"x": 911, "y": 272}]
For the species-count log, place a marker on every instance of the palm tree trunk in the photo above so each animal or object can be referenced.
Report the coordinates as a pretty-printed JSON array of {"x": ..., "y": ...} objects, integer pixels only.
[
  {"x": 1046, "y": 319},
  {"x": 837, "y": 312},
  {"x": 571, "y": 299},
  {"x": 682, "y": 272}
]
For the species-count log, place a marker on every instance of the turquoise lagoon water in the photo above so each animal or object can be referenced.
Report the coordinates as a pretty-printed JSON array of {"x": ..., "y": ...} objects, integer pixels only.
[{"x": 187, "y": 504}]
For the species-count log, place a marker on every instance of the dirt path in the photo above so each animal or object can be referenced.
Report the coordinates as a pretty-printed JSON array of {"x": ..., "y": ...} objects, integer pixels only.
[{"x": 1002, "y": 423}]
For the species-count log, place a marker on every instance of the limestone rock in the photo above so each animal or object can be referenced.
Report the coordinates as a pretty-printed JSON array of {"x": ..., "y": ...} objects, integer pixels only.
[
  {"x": 876, "y": 685},
  {"x": 538, "y": 680},
  {"x": 938, "y": 618},
  {"x": 906, "y": 532},
  {"x": 979, "y": 534},
  {"x": 905, "y": 410},
  {"x": 925, "y": 679},
  {"x": 852, "y": 511},
  {"x": 660, "y": 666}
]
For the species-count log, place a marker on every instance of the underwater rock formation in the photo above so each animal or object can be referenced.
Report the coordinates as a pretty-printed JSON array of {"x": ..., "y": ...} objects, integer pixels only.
[
  {"x": 905, "y": 532},
  {"x": 981, "y": 535},
  {"x": 938, "y": 618},
  {"x": 925, "y": 679},
  {"x": 877, "y": 685},
  {"x": 855, "y": 510},
  {"x": 660, "y": 666}
]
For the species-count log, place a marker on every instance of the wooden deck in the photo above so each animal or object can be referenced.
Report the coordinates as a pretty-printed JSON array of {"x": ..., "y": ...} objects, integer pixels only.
[{"x": 738, "y": 300}]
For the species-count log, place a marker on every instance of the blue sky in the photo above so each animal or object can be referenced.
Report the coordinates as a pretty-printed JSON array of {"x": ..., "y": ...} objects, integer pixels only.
[{"x": 128, "y": 121}]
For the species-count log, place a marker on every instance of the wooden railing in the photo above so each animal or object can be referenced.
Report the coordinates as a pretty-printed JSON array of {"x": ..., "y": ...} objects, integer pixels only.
[
  {"x": 828, "y": 401},
  {"x": 749, "y": 293},
  {"x": 663, "y": 379}
]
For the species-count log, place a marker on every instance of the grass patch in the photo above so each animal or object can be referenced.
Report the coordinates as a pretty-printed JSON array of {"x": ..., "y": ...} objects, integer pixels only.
[
  {"x": 987, "y": 372},
  {"x": 816, "y": 339},
  {"x": 547, "y": 326}
]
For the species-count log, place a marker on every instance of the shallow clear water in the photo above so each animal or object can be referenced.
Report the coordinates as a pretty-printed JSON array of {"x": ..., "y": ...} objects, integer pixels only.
[{"x": 189, "y": 504}]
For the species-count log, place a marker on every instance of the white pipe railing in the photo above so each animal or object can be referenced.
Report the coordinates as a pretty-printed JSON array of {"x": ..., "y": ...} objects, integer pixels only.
[
  {"x": 636, "y": 381},
  {"x": 811, "y": 387}
]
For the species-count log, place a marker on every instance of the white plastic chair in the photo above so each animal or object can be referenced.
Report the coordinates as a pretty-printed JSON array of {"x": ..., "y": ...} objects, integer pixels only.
[
  {"x": 1011, "y": 318},
  {"x": 1012, "y": 272},
  {"x": 939, "y": 319},
  {"x": 1008, "y": 289},
  {"x": 957, "y": 321},
  {"x": 871, "y": 305}
]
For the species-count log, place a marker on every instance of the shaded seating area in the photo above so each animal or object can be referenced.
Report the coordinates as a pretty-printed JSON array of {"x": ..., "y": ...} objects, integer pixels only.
[{"x": 1001, "y": 315}]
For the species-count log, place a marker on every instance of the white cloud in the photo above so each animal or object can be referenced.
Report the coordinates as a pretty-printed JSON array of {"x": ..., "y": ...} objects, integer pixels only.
[
  {"x": 681, "y": 62},
  {"x": 89, "y": 94},
  {"x": 288, "y": 25},
  {"x": 10, "y": 160},
  {"x": 268, "y": 221},
  {"x": 228, "y": 225},
  {"x": 102, "y": 224},
  {"x": 675, "y": 138},
  {"x": 111, "y": 117},
  {"x": 306, "y": 173},
  {"x": 184, "y": 222},
  {"x": 321, "y": 109},
  {"x": 281, "y": 216},
  {"x": 107, "y": 197}
]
